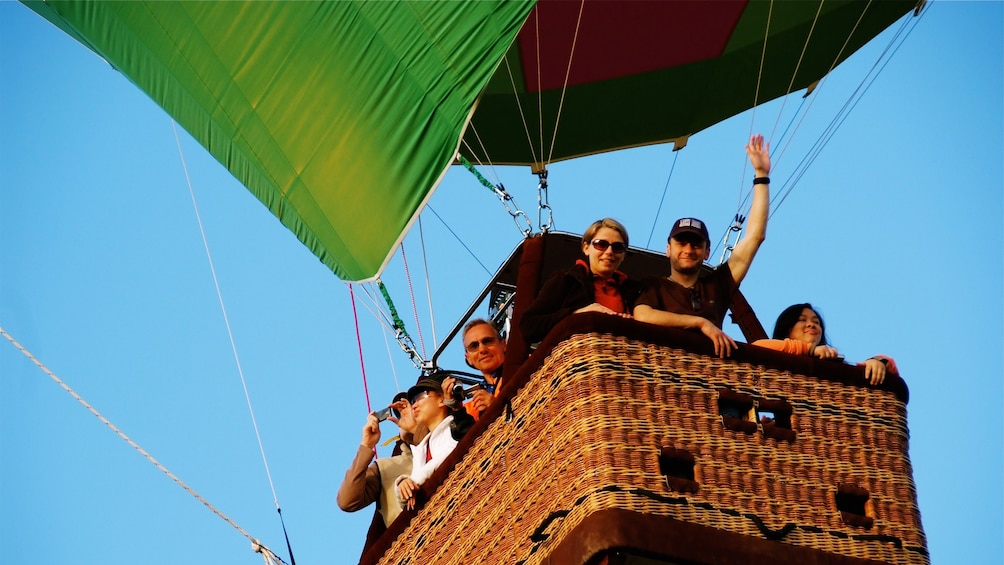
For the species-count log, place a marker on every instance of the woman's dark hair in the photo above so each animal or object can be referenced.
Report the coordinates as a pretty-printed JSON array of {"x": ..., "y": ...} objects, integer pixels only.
[{"x": 789, "y": 317}]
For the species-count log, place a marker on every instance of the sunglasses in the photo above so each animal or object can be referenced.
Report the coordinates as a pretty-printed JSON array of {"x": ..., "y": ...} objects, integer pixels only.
[
  {"x": 695, "y": 300},
  {"x": 485, "y": 341},
  {"x": 419, "y": 397},
  {"x": 602, "y": 245}
]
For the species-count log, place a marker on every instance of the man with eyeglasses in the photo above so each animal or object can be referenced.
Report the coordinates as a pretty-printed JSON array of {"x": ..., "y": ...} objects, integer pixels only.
[
  {"x": 484, "y": 350},
  {"x": 696, "y": 298}
]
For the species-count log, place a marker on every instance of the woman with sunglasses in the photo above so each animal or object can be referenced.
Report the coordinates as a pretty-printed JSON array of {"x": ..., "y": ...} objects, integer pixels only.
[
  {"x": 800, "y": 330},
  {"x": 593, "y": 284}
]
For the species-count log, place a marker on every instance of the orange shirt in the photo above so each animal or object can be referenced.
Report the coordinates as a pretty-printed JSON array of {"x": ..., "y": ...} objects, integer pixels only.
[
  {"x": 607, "y": 291},
  {"x": 470, "y": 405}
]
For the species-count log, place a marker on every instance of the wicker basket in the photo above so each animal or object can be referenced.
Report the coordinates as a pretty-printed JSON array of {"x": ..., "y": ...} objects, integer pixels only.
[{"x": 614, "y": 427}]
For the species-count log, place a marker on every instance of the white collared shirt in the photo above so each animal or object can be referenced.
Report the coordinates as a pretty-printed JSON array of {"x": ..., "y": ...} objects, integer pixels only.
[{"x": 441, "y": 442}]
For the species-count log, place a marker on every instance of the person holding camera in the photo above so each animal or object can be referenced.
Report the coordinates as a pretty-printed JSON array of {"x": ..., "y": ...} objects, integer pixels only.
[
  {"x": 484, "y": 350},
  {"x": 429, "y": 406},
  {"x": 368, "y": 481}
]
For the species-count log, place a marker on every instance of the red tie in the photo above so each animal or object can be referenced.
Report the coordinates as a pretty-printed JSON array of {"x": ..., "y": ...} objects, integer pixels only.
[{"x": 428, "y": 453}]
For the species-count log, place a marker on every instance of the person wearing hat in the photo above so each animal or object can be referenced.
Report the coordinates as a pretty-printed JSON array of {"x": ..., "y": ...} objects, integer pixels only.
[
  {"x": 368, "y": 481},
  {"x": 430, "y": 409},
  {"x": 694, "y": 297}
]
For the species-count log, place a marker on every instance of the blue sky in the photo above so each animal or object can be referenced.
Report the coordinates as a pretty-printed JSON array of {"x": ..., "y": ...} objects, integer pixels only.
[{"x": 895, "y": 232}]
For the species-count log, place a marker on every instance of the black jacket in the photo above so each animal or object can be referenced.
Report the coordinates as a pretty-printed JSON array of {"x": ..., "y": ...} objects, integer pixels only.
[{"x": 564, "y": 293}]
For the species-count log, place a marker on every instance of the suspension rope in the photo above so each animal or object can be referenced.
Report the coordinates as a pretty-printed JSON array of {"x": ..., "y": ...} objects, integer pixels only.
[
  {"x": 784, "y": 101},
  {"x": 833, "y": 65},
  {"x": 401, "y": 334},
  {"x": 564, "y": 86},
  {"x": 359, "y": 345},
  {"x": 428, "y": 287},
  {"x": 789, "y": 184},
  {"x": 503, "y": 196},
  {"x": 736, "y": 227},
  {"x": 742, "y": 206},
  {"x": 390, "y": 358},
  {"x": 382, "y": 318},
  {"x": 665, "y": 189},
  {"x": 477, "y": 174},
  {"x": 374, "y": 307},
  {"x": 484, "y": 151},
  {"x": 127, "y": 439},
  {"x": 798, "y": 64},
  {"x": 756, "y": 98},
  {"x": 414, "y": 305},
  {"x": 540, "y": 89},
  {"x": 890, "y": 50},
  {"x": 434, "y": 213},
  {"x": 226, "y": 319},
  {"x": 398, "y": 323},
  {"x": 522, "y": 115},
  {"x": 800, "y": 111}
]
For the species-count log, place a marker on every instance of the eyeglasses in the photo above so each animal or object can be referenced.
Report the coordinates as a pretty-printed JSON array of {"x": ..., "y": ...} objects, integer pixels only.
[
  {"x": 485, "y": 341},
  {"x": 602, "y": 245}
]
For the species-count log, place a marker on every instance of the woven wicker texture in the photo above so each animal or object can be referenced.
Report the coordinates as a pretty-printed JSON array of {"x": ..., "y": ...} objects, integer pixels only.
[{"x": 587, "y": 432}]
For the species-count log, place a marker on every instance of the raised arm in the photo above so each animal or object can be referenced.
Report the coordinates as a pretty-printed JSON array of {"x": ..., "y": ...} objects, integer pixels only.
[
  {"x": 361, "y": 486},
  {"x": 756, "y": 227}
]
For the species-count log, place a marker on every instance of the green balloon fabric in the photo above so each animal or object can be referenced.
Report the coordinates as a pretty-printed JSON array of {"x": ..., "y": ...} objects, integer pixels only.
[
  {"x": 598, "y": 76},
  {"x": 342, "y": 117}
]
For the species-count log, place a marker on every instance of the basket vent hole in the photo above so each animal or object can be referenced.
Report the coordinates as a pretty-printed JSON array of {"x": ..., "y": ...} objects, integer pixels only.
[
  {"x": 736, "y": 411},
  {"x": 677, "y": 465},
  {"x": 855, "y": 505},
  {"x": 734, "y": 408},
  {"x": 774, "y": 418}
]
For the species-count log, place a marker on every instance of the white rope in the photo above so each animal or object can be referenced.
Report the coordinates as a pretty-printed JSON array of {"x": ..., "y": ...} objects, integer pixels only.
[
  {"x": 390, "y": 360},
  {"x": 129, "y": 440},
  {"x": 801, "y": 57},
  {"x": 883, "y": 59},
  {"x": 428, "y": 285},
  {"x": 489, "y": 166},
  {"x": 564, "y": 86},
  {"x": 226, "y": 319},
  {"x": 540, "y": 88},
  {"x": 383, "y": 318},
  {"x": 414, "y": 304},
  {"x": 818, "y": 88},
  {"x": 377, "y": 309},
  {"x": 266, "y": 553},
  {"x": 522, "y": 115},
  {"x": 756, "y": 98}
]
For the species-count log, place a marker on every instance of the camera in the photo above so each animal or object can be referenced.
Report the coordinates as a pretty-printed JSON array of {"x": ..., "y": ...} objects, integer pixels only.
[
  {"x": 461, "y": 394},
  {"x": 382, "y": 414}
]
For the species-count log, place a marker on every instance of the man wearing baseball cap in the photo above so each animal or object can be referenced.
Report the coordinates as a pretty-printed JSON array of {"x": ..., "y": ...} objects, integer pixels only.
[{"x": 693, "y": 297}]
